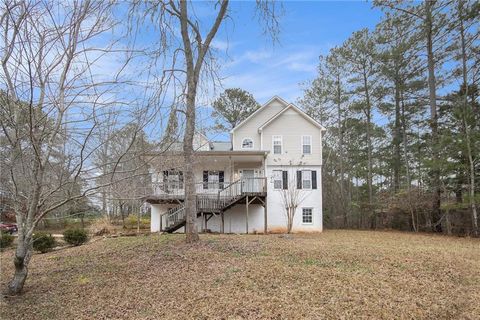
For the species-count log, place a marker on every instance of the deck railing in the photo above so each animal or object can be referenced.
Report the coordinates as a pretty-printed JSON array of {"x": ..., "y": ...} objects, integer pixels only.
[
  {"x": 177, "y": 189},
  {"x": 223, "y": 198}
]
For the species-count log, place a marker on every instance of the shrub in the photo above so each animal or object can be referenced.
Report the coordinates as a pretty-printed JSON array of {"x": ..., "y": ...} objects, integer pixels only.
[
  {"x": 43, "y": 242},
  {"x": 131, "y": 222},
  {"x": 102, "y": 227},
  {"x": 6, "y": 240},
  {"x": 75, "y": 237}
]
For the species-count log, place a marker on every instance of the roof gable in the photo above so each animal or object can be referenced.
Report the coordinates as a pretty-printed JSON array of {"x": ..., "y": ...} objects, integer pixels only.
[
  {"x": 265, "y": 105},
  {"x": 291, "y": 106}
]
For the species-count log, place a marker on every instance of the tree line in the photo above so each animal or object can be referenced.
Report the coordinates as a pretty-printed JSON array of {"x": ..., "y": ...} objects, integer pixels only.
[{"x": 402, "y": 106}]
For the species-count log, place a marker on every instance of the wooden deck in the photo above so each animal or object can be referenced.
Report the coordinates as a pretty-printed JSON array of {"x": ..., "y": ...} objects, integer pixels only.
[{"x": 247, "y": 191}]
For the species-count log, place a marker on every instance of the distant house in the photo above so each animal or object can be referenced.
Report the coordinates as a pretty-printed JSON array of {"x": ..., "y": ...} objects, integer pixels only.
[{"x": 241, "y": 184}]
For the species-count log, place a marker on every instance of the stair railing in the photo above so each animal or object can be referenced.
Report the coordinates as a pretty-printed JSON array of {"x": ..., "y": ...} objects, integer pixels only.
[
  {"x": 230, "y": 192},
  {"x": 175, "y": 215}
]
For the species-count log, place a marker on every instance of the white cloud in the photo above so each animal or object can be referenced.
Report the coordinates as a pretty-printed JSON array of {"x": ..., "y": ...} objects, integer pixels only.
[{"x": 278, "y": 71}]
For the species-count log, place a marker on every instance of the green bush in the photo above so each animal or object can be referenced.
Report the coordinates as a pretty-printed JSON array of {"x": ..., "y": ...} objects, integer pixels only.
[
  {"x": 131, "y": 222},
  {"x": 6, "y": 240},
  {"x": 43, "y": 242},
  {"x": 75, "y": 237}
]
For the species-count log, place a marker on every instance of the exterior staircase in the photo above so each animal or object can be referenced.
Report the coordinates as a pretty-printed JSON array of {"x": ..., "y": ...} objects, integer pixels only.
[{"x": 226, "y": 198}]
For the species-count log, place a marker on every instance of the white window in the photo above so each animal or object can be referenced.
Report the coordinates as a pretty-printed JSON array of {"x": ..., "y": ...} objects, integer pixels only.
[
  {"x": 173, "y": 179},
  {"x": 213, "y": 179},
  {"x": 277, "y": 144},
  {"x": 307, "y": 215},
  {"x": 306, "y": 179},
  {"x": 247, "y": 143},
  {"x": 277, "y": 179},
  {"x": 306, "y": 144}
]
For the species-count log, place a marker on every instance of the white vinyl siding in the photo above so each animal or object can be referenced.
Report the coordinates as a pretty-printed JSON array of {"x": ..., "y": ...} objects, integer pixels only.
[
  {"x": 306, "y": 144},
  {"x": 277, "y": 144},
  {"x": 292, "y": 126}
]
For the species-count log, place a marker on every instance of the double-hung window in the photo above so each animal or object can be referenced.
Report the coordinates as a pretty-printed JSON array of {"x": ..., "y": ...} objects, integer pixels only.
[
  {"x": 277, "y": 144},
  {"x": 277, "y": 179},
  {"x": 173, "y": 180},
  {"x": 307, "y": 215},
  {"x": 213, "y": 179},
  {"x": 306, "y": 179},
  {"x": 306, "y": 144}
]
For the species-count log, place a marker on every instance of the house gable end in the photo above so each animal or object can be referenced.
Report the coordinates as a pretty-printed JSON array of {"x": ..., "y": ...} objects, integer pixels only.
[
  {"x": 266, "y": 105},
  {"x": 291, "y": 108}
]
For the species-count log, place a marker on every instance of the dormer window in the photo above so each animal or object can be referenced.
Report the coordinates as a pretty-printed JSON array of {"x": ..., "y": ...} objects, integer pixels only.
[{"x": 247, "y": 143}]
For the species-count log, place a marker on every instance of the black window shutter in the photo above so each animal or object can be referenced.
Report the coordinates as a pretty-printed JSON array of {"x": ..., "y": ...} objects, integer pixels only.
[
  {"x": 205, "y": 179},
  {"x": 285, "y": 180},
  {"x": 299, "y": 179},
  {"x": 221, "y": 178},
  {"x": 314, "y": 179},
  {"x": 165, "y": 176},
  {"x": 180, "y": 177}
]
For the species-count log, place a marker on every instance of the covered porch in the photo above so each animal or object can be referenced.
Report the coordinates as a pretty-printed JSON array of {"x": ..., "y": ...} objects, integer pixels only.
[{"x": 224, "y": 180}]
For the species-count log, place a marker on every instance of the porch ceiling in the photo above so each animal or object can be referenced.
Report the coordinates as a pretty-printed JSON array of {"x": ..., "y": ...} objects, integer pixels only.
[{"x": 235, "y": 156}]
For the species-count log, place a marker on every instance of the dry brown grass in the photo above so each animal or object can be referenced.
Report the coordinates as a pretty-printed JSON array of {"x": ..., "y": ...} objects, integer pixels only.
[{"x": 334, "y": 275}]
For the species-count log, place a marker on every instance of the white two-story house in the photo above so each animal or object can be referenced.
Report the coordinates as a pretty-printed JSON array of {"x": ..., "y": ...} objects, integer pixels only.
[{"x": 243, "y": 186}]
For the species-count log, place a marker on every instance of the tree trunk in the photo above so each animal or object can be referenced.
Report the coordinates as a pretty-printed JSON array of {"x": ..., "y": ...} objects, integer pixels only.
[
  {"x": 396, "y": 135},
  {"x": 193, "y": 69},
  {"x": 436, "y": 214},
  {"x": 368, "y": 113},
  {"x": 23, "y": 253},
  {"x": 341, "y": 142}
]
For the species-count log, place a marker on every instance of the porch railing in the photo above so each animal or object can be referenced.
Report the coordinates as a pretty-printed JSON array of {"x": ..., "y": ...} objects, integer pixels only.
[
  {"x": 177, "y": 189},
  {"x": 217, "y": 202}
]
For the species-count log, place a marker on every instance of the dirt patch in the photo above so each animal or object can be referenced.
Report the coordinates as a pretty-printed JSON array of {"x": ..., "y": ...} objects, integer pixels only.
[{"x": 336, "y": 274}]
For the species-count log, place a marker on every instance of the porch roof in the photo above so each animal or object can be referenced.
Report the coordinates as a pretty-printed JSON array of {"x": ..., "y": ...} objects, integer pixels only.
[{"x": 225, "y": 153}]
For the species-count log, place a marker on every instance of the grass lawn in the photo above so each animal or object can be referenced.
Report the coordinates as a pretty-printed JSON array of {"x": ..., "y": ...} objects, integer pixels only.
[{"x": 334, "y": 275}]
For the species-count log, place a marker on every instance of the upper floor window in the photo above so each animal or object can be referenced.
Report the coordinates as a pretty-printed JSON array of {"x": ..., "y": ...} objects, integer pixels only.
[
  {"x": 306, "y": 144},
  {"x": 247, "y": 143},
  {"x": 213, "y": 179},
  {"x": 306, "y": 179},
  {"x": 172, "y": 179},
  {"x": 277, "y": 179},
  {"x": 277, "y": 144}
]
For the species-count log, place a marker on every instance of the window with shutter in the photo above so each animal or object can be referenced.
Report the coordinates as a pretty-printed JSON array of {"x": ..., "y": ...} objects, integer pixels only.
[
  {"x": 307, "y": 179},
  {"x": 277, "y": 179}
]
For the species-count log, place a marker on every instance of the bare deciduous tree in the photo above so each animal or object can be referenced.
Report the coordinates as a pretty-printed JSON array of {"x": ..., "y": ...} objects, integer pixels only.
[
  {"x": 188, "y": 67},
  {"x": 291, "y": 194},
  {"x": 52, "y": 104}
]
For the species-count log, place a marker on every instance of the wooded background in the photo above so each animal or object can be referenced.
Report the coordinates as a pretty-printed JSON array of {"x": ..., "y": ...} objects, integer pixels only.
[{"x": 401, "y": 103}]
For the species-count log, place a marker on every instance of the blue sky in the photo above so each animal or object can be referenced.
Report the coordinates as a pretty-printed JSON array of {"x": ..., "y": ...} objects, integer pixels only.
[
  {"x": 251, "y": 61},
  {"x": 308, "y": 29}
]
